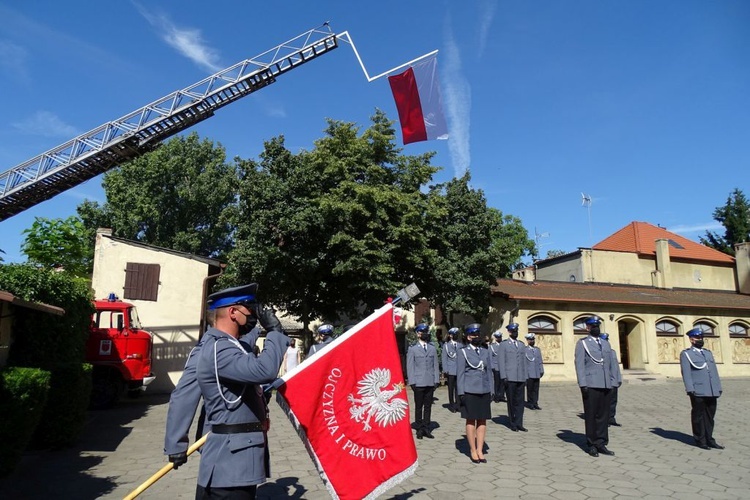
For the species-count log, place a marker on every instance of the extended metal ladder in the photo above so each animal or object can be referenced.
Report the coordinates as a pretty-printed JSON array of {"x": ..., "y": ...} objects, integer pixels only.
[{"x": 116, "y": 142}]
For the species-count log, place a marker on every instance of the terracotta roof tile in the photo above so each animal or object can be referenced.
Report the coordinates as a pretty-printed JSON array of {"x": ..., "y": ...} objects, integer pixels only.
[
  {"x": 640, "y": 238},
  {"x": 597, "y": 293}
]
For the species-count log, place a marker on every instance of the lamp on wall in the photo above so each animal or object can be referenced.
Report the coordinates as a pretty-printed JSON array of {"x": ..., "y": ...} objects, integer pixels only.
[{"x": 611, "y": 317}]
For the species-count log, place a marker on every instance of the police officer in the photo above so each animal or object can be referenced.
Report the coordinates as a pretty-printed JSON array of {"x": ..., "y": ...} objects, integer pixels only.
[
  {"x": 235, "y": 458},
  {"x": 451, "y": 346},
  {"x": 185, "y": 398},
  {"x": 514, "y": 372},
  {"x": 423, "y": 374},
  {"x": 494, "y": 349},
  {"x": 594, "y": 371},
  {"x": 616, "y": 383},
  {"x": 475, "y": 390},
  {"x": 703, "y": 386},
  {"x": 535, "y": 370},
  {"x": 326, "y": 337}
]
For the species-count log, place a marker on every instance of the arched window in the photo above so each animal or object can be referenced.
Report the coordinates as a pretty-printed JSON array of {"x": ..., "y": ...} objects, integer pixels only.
[
  {"x": 706, "y": 328},
  {"x": 666, "y": 327},
  {"x": 542, "y": 324},
  {"x": 579, "y": 325},
  {"x": 737, "y": 330}
]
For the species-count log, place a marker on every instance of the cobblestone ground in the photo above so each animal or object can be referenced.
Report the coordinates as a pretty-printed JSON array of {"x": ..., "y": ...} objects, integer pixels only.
[{"x": 655, "y": 458}]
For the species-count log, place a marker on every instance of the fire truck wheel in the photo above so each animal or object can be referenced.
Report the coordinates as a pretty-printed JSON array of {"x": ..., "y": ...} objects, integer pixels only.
[{"x": 105, "y": 391}]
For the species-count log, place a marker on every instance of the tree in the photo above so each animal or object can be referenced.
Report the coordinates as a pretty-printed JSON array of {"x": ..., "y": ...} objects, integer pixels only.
[
  {"x": 58, "y": 244},
  {"x": 179, "y": 196},
  {"x": 472, "y": 244},
  {"x": 735, "y": 217},
  {"x": 331, "y": 230},
  {"x": 555, "y": 253}
]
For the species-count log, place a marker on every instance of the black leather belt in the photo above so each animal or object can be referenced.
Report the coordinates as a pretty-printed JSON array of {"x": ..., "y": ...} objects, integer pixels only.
[{"x": 237, "y": 428}]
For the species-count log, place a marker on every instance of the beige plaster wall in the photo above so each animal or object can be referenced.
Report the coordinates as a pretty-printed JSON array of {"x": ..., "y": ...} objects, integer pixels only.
[
  {"x": 174, "y": 318},
  {"x": 690, "y": 275}
]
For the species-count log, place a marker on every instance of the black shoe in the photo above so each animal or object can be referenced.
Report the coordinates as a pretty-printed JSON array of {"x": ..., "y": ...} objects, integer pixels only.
[
  {"x": 475, "y": 460},
  {"x": 428, "y": 434},
  {"x": 703, "y": 446},
  {"x": 593, "y": 452},
  {"x": 420, "y": 434},
  {"x": 483, "y": 460},
  {"x": 614, "y": 422},
  {"x": 537, "y": 407},
  {"x": 605, "y": 451},
  {"x": 514, "y": 429},
  {"x": 716, "y": 446},
  {"x": 522, "y": 428}
]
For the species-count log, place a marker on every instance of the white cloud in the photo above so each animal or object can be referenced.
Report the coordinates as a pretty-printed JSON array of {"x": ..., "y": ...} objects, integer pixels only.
[
  {"x": 46, "y": 124},
  {"x": 13, "y": 59},
  {"x": 696, "y": 228},
  {"x": 187, "y": 41},
  {"x": 458, "y": 104},
  {"x": 487, "y": 9}
]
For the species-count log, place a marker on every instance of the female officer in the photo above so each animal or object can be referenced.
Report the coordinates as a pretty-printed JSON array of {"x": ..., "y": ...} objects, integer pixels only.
[{"x": 475, "y": 390}]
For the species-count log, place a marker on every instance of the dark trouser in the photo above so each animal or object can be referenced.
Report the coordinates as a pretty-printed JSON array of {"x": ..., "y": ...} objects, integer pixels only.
[
  {"x": 596, "y": 414},
  {"x": 532, "y": 392},
  {"x": 499, "y": 386},
  {"x": 423, "y": 406},
  {"x": 235, "y": 493},
  {"x": 452, "y": 391},
  {"x": 613, "y": 405},
  {"x": 515, "y": 403},
  {"x": 703, "y": 410}
]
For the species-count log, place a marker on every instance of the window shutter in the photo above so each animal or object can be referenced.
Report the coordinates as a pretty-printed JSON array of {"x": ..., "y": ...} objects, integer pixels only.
[{"x": 141, "y": 281}]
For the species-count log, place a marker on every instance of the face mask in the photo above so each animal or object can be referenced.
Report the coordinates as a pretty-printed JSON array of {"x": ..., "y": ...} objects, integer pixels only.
[
  {"x": 594, "y": 331},
  {"x": 250, "y": 322},
  {"x": 425, "y": 337},
  {"x": 531, "y": 343},
  {"x": 698, "y": 344},
  {"x": 514, "y": 335},
  {"x": 475, "y": 341}
]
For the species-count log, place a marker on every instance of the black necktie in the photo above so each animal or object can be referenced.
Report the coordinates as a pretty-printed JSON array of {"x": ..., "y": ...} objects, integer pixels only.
[
  {"x": 424, "y": 346},
  {"x": 476, "y": 349},
  {"x": 599, "y": 342}
]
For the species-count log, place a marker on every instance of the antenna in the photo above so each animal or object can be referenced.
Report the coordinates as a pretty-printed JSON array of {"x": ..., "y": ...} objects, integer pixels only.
[
  {"x": 586, "y": 201},
  {"x": 538, "y": 236}
]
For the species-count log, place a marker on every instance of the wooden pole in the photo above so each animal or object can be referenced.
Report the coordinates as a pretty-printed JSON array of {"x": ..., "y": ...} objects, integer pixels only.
[{"x": 163, "y": 471}]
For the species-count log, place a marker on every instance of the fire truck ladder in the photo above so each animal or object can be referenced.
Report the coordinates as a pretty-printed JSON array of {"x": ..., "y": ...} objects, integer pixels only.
[{"x": 119, "y": 141}]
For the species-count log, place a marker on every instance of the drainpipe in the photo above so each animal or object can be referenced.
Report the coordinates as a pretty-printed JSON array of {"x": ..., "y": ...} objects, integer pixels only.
[{"x": 204, "y": 298}]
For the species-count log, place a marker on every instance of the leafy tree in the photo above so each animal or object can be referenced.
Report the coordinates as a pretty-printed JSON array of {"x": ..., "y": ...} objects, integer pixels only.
[
  {"x": 735, "y": 217},
  {"x": 472, "y": 246},
  {"x": 324, "y": 232},
  {"x": 179, "y": 196},
  {"x": 555, "y": 253},
  {"x": 58, "y": 243}
]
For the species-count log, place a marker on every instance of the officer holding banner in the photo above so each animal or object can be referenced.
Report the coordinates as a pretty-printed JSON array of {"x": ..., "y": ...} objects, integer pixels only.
[{"x": 234, "y": 459}]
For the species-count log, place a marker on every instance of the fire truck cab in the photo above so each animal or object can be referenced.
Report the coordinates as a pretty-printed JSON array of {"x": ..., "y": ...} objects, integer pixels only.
[{"x": 119, "y": 350}]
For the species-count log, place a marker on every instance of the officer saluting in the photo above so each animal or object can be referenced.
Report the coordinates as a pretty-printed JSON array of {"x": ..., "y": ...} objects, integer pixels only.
[
  {"x": 593, "y": 360},
  {"x": 235, "y": 458},
  {"x": 450, "y": 349},
  {"x": 703, "y": 385},
  {"x": 423, "y": 373},
  {"x": 326, "y": 333}
]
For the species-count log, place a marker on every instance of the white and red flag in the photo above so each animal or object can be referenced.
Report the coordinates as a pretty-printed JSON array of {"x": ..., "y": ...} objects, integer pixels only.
[
  {"x": 419, "y": 102},
  {"x": 350, "y": 407}
]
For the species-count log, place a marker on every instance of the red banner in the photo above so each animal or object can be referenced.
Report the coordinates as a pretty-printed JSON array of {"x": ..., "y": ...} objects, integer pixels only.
[{"x": 349, "y": 405}]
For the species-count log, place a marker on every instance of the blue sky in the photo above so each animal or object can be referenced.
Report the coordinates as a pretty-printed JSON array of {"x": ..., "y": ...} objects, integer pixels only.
[{"x": 643, "y": 105}]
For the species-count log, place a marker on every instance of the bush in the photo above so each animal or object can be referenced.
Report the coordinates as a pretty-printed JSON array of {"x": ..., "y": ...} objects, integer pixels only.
[
  {"x": 65, "y": 414},
  {"x": 23, "y": 396}
]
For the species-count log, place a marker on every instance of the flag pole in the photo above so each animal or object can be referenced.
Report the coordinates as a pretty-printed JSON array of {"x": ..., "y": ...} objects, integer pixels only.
[{"x": 345, "y": 36}]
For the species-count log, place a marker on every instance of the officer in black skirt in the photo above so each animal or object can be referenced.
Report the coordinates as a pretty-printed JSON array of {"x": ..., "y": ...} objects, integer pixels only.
[{"x": 475, "y": 390}]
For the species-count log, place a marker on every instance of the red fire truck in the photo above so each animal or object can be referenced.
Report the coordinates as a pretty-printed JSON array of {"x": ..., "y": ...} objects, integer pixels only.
[{"x": 120, "y": 351}]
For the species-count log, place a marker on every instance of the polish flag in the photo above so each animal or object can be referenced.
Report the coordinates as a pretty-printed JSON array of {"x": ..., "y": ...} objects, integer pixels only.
[
  {"x": 420, "y": 107},
  {"x": 349, "y": 406}
]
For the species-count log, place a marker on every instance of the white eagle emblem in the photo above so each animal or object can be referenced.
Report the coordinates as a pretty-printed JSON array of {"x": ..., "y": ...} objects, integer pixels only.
[{"x": 376, "y": 402}]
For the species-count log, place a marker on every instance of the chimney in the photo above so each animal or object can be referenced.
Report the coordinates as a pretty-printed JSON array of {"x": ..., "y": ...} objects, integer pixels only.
[
  {"x": 742, "y": 266},
  {"x": 663, "y": 274}
]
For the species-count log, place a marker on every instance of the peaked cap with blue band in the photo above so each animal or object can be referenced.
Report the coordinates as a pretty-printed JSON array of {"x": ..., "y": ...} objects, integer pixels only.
[
  {"x": 473, "y": 329},
  {"x": 422, "y": 327},
  {"x": 695, "y": 332},
  {"x": 233, "y": 296}
]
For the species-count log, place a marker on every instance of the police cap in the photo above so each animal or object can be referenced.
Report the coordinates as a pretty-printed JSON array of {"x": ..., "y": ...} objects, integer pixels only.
[
  {"x": 695, "y": 332},
  {"x": 498, "y": 334},
  {"x": 473, "y": 329},
  {"x": 513, "y": 327},
  {"x": 244, "y": 294},
  {"x": 530, "y": 336},
  {"x": 604, "y": 336},
  {"x": 453, "y": 331},
  {"x": 422, "y": 327},
  {"x": 325, "y": 329},
  {"x": 593, "y": 320}
]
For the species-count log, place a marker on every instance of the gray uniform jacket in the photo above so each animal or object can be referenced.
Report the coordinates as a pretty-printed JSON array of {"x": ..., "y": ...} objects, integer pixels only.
[
  {"x": 448, "y": 356},
  {"x": 593, "y": 363},
  {"x": 513, "y": 365},
  {"x": 315, "y": 348},
  {"x": 230, "y": 460},
  {"x": 185, "y": 398},
  {"x": 534, "y": 364},
  {"x": 616, "y": 373},
  {"x": 474, "y": 372},
  {"x": 422, "y": 367},
  {"x": 495, "y": 354},
  {"x": 699, "y": 372}
]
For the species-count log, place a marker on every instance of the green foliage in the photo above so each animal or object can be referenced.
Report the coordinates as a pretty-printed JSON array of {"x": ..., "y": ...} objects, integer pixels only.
[
  {"x": 45, "y": 340},
  {"x": 735, "y": 217},
  {"x": 65, "y": 413},
  {"x": 59, "y": 244},
  {"x": 23, "y": 395},
  {"x": 179, "y": 196},
  {"x": 472, "y": 245}
]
